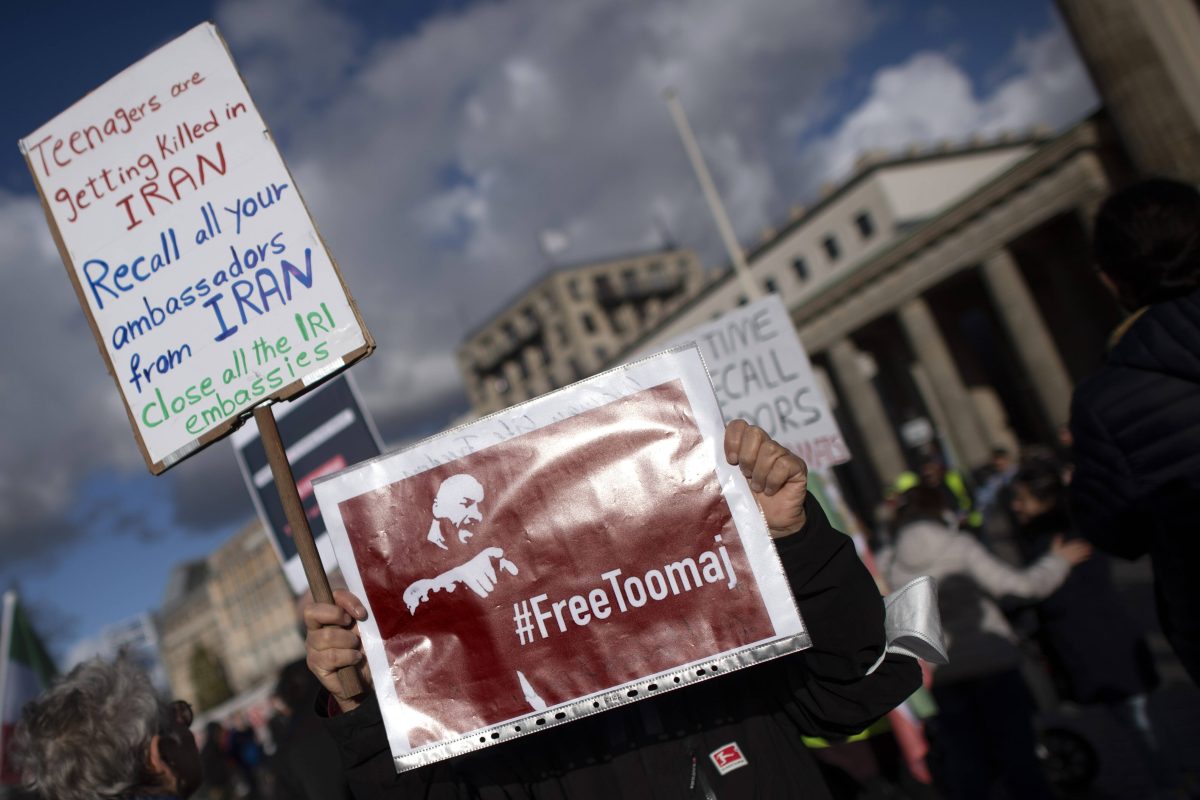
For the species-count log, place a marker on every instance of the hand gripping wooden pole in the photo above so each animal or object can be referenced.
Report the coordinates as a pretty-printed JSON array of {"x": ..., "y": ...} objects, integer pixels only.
[{"x": 285, "y": 484}]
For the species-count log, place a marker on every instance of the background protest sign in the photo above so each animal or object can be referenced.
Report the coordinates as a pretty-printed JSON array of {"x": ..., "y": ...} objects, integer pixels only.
[
  {"x": 201, "y": 273},
  {"x": 324, "y": 432},
  {"x": 762, "y": 374},
  {"x": 557, "y": 559}
]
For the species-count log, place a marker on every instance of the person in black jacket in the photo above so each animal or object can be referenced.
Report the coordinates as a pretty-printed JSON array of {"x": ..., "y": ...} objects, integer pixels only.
[
  {"x": 1136, "y": 422},
  {"x": 218, "y": 769},
  {"x": 669, "y": 747},
  {"x": 305, "y": 762},
  {"x": 1095, "y": 651}
]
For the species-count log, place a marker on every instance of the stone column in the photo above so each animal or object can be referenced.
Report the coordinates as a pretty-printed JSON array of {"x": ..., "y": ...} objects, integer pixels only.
[
  {"x": 1143, "y": 58},
  {"x": 1086, "y": 212},
  {"x": 859, "y": 394},
  {"x": 965, "y": 429},
  {"x": 1034, "y": 345}
]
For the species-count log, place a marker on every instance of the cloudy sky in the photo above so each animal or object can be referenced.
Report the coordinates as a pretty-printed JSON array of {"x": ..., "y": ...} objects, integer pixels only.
[{"x": 433, "y": 142}]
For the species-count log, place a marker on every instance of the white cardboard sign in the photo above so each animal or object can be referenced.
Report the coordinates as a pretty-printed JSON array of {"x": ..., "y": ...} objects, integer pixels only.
[
  {"x": 204, "y": 279},
  {"x": 762, "y": 374}
]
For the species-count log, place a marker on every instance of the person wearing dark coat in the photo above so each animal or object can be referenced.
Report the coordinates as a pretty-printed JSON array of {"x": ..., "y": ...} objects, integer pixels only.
[
  {"x": 663, "y": 747},
  {"x": 1096, "y": 653},
  {"x": 305, "y": 764},
  {"x": 247, "y": 754},
  {"x": 1136, "y": 422},
  {"x": 218, "y": 771}
]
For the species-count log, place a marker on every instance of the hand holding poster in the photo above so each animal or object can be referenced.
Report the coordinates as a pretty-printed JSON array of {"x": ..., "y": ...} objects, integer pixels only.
[
  {"x": 565, "y": 556},
  {"x": 202, "y": 275}
]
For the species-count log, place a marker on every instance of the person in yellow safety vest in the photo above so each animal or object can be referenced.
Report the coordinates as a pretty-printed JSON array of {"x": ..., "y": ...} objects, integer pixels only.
[{"x": 935, "y": 475}]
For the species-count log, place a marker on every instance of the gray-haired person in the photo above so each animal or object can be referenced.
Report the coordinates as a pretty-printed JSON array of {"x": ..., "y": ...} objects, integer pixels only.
[{"x": 103, "y": 732}]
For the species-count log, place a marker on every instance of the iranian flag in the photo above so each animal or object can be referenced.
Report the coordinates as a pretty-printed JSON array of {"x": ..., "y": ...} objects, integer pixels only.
[{"x": 25, "y": 671}]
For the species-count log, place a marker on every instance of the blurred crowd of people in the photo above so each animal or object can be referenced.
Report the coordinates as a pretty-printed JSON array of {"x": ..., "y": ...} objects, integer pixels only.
[
  {"x": 1024, "y": 599},
  {"x": 1031, "y": 616},
  {"x": 293, "y": 759}
]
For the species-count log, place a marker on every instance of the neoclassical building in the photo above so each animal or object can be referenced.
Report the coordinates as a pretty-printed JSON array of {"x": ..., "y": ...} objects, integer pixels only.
[
  {"x": 570, "y": 323},
  {"x": 254, "y": 607},
  {"x": 235, "y": 604},
  {"x": 187, "y": 622},
  {"x": 944, "y": 295},
  {"x": 947, "y": 296}
]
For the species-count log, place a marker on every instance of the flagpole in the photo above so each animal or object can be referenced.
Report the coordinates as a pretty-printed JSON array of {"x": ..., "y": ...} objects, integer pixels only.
[
  {"x": 751, "y": 289},
  {"x": 6, "y": 629},
  {"x": 293, "y": 509}
]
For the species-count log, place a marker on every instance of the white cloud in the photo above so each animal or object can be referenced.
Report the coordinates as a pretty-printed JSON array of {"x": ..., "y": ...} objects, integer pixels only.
[
  {"x": 1051, "y": 88},
  {"x": 928, "y": 98},
  {"x": 265, "y": 35},
  {"x": 437, "y": 162},
  {"x": 433, "y": 160},
  {"x": 62, "y": 414}
]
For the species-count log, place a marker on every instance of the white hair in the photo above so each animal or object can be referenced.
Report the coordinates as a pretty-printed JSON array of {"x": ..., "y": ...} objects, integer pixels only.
[{"x": 88, "y": 736}]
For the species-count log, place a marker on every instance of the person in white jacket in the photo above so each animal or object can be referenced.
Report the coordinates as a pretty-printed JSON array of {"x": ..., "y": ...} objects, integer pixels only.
[{"x": 984, "y": 726}]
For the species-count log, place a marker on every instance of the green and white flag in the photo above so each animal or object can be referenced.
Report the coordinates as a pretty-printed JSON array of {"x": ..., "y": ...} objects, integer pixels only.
[{"x": 25, "y": 672}]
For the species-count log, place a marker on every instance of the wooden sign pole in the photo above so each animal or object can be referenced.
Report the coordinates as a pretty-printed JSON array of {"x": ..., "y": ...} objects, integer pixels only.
[{"x": 285, "y": 483}]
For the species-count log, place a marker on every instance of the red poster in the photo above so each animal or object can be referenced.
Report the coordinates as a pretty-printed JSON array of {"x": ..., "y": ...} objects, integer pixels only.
[{"x": 591, "y": 552}]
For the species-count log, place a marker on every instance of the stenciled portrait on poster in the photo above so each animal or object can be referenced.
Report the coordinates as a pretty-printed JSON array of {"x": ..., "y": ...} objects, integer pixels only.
[{"x": 544, "y": 558}]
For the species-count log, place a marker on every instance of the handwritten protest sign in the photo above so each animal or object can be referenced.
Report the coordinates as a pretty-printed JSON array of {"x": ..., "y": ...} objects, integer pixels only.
[
  {"x": 762, "y": 374},
  {"x": 323, "y": 432},
  {"x": 567, "y": 555},
  {"x": 203, "y": 277}
]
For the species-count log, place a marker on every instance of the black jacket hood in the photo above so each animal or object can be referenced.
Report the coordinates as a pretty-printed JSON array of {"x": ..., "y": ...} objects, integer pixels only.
[{"x": 1162, "y": 340}]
